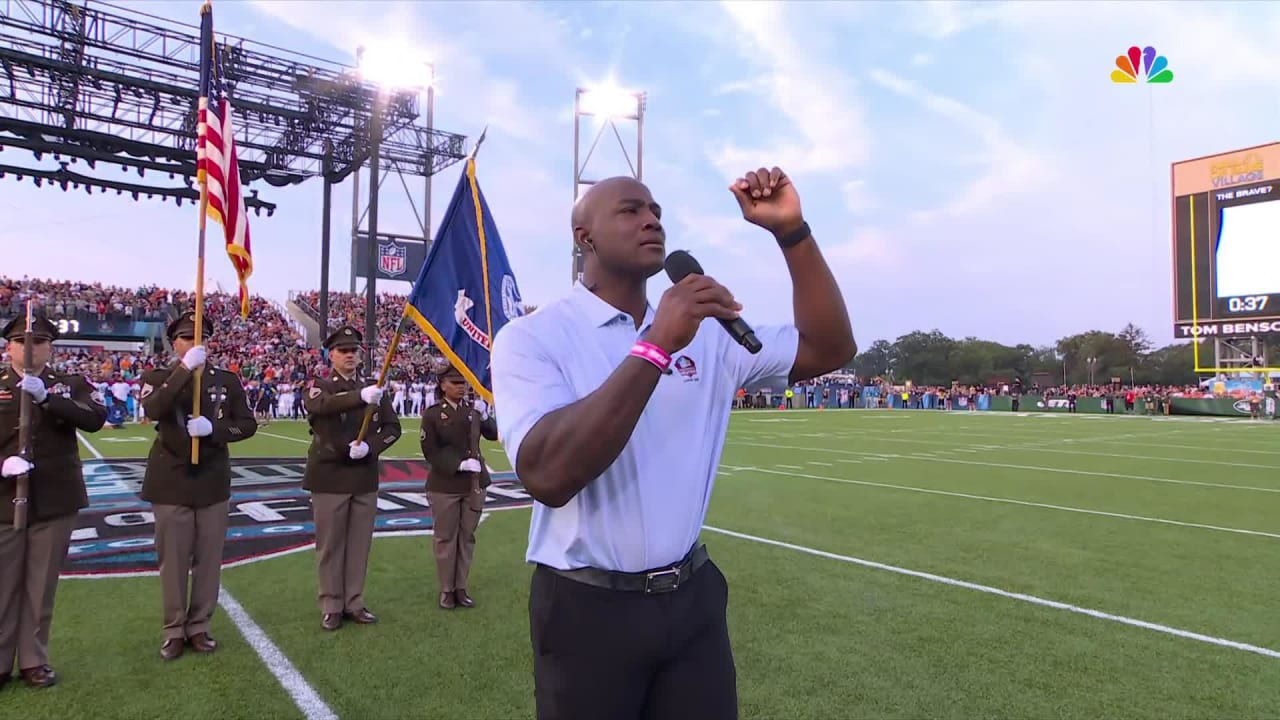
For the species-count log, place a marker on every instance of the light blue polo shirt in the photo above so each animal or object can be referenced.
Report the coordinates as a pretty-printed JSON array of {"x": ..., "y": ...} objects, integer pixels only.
[{"x": 646, "y": 510}]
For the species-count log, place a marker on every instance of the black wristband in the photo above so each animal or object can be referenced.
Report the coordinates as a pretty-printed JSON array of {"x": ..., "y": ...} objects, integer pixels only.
[{"x": 794, "y": 237}]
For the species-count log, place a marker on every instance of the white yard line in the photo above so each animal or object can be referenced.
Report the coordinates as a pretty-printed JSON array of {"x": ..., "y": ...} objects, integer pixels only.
[
  {"x": 304, "y": 696},
  {"x": 1025, "y": 503},
  {"x": 88, "y": 445},
  {"x": 1150, "y": 457},
  {"x": 1011, "y": 466},
  {"x": 283, "y": 437},
  {"x": 1197, "y": 448},
  {"x": 1165, "y": 629}
]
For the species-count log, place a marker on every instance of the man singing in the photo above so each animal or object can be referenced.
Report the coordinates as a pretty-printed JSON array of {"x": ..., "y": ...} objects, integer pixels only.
[{"x": 627, "y": 614}]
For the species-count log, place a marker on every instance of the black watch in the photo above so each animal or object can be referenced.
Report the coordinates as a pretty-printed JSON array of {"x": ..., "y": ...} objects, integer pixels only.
[{"x": 795, "y": 237}]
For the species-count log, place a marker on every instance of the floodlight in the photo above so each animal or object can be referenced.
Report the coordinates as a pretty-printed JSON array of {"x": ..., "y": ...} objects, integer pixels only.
[
  {"x": 609, "y": 101},
  {"x": 395, "y": 67}
]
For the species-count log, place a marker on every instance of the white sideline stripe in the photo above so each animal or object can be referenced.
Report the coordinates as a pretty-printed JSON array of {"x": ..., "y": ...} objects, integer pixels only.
[
  {"x": 1026, "y": 503},
  {"x": 1221, "y": 642},
  {"x": 283, "y": 437},
  {"x": 89, "y": 446},
  {"x": 1038, "y": 468},
  {"x": 304, "y": 696}
]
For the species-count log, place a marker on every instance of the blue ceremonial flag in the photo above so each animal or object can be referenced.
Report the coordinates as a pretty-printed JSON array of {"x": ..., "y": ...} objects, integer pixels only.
[{"x": 466, "y": 290}]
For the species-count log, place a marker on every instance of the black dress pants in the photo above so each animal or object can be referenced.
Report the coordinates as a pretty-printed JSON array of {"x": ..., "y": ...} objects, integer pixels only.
[{"x": 600, "y": 653}]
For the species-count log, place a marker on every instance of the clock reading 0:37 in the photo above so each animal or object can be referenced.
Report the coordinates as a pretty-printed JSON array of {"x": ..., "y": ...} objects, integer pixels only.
[{"x": 1247, "y": 303}]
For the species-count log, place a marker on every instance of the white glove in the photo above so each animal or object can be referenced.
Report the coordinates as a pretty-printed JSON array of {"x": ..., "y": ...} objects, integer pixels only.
[
  {"x": 194, "y": 358},
  {"x": 371, "y": 395},
  {"x": 34, "y": 386},
  {"x": 199, "y": 426},
  {"x": 358, "y": 449},
  {"x": 469, "y": 465},
  {"x": 15, "y": 466}
]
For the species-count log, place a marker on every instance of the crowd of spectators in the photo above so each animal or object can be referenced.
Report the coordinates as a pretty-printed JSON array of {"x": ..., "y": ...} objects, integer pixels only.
[
  {"x": 68, "y": 299},
  {"x": 264, "y": 348},
  {"x": 415, "y": 354}
]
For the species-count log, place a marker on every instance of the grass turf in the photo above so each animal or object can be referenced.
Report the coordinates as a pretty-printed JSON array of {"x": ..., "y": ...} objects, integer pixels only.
[{"x": 994, "y": 499}]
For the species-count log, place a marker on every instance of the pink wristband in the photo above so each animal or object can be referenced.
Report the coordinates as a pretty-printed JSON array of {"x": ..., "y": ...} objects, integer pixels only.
[{"x": 652, "y": 353}]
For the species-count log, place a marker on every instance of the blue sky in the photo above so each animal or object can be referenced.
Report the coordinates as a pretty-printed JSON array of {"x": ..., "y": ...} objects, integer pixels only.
[{"x": 969, "y": 168}]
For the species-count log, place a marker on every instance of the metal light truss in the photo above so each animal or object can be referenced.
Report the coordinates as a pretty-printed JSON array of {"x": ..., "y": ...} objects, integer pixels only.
[
  {"x": 635, "y": 105},
  {"x": 103, "y": 84}
]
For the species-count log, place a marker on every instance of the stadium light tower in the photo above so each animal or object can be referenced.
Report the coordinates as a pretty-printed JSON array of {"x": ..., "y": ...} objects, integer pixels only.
[
  {"x": 610, "y": 103},
  {"x": 401, "y": 76}
]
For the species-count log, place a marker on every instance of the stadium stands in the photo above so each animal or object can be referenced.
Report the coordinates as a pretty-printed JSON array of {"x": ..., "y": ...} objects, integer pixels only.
[{"x": 267, "y": 346}]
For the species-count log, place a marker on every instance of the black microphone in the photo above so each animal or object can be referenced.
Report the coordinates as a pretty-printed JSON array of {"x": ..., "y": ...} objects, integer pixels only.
[{"x": 678, "y": 265}]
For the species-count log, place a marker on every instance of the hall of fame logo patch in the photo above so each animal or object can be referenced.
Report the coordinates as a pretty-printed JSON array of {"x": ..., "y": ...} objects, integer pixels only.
[{"x": 269, "y": 513}]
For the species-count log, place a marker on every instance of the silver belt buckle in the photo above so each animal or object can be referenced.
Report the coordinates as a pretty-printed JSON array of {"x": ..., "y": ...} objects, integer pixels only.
[{"x": 662, "y": 581}]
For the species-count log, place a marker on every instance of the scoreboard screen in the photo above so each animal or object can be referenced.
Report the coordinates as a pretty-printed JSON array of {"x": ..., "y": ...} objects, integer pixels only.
[{"x": 1226, "y": 244}]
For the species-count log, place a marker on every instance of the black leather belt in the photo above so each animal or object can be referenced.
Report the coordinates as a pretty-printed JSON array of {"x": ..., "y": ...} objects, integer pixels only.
[{"x": 662, "y": 580}]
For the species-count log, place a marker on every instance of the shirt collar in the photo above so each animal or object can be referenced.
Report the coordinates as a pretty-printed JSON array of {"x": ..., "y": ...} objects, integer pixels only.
[{"x": 601, "y": 313}]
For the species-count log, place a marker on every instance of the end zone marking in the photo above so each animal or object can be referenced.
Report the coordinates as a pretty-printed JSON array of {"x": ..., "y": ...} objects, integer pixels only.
[
  {"x": 1221, "y": 642},
  {"x": 304, "y": 696}
]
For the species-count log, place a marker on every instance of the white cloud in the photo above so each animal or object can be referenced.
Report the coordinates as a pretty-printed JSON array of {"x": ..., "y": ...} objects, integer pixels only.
[
  {"x": 828, "y": 129},
  {"x": 1008, "y": 166},
  {"x": 857, "y": 196},
  {"x": 869, "y": 250}
]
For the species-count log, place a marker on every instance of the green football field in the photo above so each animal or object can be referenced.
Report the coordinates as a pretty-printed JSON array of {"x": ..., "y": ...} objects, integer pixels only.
[{"x": 901, "y": 564}]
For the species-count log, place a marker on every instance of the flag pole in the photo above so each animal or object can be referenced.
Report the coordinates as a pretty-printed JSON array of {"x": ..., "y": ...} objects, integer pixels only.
[
  {"x": 195, "y": 399},
  {"x": 404, "y": 318},
  {"x": 26, "y": 427},
  {"x": 382, "y": 374},
  {"x": 204, "y": 208}
]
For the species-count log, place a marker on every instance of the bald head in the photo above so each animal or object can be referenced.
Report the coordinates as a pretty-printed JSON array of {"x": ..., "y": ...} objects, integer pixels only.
[{"x": 603, "y": 193}]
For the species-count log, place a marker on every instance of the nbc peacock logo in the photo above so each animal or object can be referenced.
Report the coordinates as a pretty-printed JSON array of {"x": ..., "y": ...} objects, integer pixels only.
[{"x": 1145, "y": 65}]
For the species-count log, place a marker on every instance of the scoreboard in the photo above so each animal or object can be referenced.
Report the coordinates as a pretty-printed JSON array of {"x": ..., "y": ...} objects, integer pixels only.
[{"x": 1226, "y": 244}]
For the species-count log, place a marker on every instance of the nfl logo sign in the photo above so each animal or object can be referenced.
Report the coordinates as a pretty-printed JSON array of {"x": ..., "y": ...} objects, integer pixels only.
[{"x": 393, "y": 259}]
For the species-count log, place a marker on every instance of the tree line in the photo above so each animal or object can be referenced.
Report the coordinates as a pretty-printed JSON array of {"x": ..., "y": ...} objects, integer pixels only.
[{"x": 1097, "y": 356}]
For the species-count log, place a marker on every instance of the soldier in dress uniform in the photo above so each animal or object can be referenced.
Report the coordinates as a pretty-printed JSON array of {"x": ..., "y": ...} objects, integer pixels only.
[
  {"x": 190, "y": 501},
  {"x": 342, "y": 476},
  {"x": 450, "y": 438},
  {"x": 31, "y": 559}
]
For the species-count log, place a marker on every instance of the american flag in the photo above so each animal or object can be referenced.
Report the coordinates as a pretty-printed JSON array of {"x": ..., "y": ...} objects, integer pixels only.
[{"x": 217, "y": 168}]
